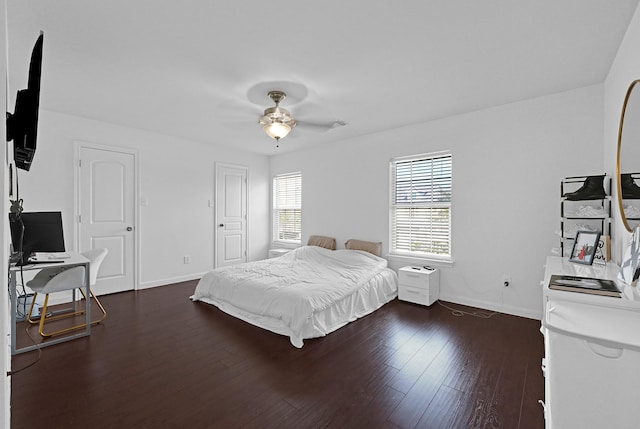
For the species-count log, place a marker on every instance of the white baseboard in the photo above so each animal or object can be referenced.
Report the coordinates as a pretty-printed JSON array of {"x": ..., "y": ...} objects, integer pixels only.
[
  {"x": 164, "y": 282},
  {"x": 492, "y": 306},
  {"x": 65, "y": 297}
]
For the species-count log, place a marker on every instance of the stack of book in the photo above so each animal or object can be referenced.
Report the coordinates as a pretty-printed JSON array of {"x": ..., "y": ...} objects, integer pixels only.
[{"x": 585, "y": 285}]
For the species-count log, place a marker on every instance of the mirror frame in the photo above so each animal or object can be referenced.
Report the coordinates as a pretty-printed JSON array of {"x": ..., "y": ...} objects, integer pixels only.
[{"x": 618, "y": 172}]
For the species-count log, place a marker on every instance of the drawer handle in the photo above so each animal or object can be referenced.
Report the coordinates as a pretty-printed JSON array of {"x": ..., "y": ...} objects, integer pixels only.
[{"x": 604, "y": 351}]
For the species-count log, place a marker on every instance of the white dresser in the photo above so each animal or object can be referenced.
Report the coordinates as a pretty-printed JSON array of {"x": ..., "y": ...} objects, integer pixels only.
[
  {"x": 419, "y": 285},
  {"x": 592, "y": 352}
]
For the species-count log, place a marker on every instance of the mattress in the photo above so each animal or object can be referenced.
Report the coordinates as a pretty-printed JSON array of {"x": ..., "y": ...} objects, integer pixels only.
[{"x": 306, "y": 293}]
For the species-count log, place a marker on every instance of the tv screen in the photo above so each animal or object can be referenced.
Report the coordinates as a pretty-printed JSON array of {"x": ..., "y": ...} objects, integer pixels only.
[{"x": 22, "y": 125}]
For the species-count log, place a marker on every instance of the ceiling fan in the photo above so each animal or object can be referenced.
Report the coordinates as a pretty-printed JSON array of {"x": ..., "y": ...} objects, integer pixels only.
[{"x": 278, "y": 122}]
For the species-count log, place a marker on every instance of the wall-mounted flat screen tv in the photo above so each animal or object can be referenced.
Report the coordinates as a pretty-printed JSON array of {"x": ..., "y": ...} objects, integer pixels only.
[{"x": 22, "y": 125}]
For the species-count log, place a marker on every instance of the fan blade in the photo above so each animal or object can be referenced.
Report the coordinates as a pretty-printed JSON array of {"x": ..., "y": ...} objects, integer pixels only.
[{"x": 320, "y": 127}]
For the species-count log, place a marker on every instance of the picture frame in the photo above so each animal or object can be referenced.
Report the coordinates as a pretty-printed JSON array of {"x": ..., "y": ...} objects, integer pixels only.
[
  {"x": 584, "y": 247},
  {"x": 603, "y": 252},
  {"x": 630, "y": 267}
]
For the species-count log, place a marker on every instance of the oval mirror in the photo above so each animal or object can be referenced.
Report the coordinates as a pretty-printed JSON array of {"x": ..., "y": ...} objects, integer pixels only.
[{"x": 628, "y": 160}]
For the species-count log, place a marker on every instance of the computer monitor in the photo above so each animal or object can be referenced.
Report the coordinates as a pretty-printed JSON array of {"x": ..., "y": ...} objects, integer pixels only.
[{"x": 33, "y": 232}]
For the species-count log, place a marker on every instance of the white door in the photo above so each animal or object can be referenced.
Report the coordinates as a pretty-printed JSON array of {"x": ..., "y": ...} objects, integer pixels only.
[
  {"x": 231, "y": 215},
  {"x": 106, "y": 213}
]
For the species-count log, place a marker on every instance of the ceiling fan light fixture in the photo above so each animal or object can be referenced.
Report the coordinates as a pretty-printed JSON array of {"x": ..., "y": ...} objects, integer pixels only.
[
  {"x": 276, "y": 130},
  {"x": 277, "y": 122}
]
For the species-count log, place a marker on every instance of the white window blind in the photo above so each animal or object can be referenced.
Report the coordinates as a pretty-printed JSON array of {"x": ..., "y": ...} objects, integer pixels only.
[
  {"x": 421, "y": 205},
  {"x": 287, "y": 207}
]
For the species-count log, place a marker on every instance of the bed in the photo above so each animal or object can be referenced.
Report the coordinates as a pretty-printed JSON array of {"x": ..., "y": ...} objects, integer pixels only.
[{"x": 305, "y": 293}]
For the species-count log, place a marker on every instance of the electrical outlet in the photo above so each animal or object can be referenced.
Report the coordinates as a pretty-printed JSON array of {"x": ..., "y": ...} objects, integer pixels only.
[
  {"x": 506, "y": 280},
  {"x": 187, "y": 259}
]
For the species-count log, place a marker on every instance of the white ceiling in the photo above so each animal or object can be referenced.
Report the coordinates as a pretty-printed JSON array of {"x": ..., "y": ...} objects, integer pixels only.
[{"x": 194, "y": 68}]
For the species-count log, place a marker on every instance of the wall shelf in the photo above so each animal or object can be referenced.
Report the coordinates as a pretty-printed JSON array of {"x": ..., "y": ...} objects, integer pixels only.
[{"x": 582, "y": 214}]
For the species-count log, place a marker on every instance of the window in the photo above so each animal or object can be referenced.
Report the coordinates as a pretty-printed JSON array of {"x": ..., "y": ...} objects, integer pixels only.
[
  {"x": 287, "y": 207},
  {"x": 421, "y": 205}
]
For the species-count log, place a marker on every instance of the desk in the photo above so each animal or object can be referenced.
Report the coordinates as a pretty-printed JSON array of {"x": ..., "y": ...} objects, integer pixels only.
[
  {"x": 592, "y": 351},
  {"x": 74, "y": 260}
]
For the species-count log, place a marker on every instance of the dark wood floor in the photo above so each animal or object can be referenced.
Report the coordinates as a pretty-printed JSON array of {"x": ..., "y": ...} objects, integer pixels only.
[{"x": 162, "y": 361}]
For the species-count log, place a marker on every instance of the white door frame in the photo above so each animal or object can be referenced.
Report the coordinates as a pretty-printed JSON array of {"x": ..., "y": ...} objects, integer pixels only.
[
  {"x": 136, "y": 192},
  {"x": 215, "y": 210}
]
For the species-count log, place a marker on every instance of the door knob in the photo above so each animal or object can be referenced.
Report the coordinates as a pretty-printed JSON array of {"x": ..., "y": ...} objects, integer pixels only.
[
  {"x": 222, "y": 224},
  {"x": 129, "y": 228}
]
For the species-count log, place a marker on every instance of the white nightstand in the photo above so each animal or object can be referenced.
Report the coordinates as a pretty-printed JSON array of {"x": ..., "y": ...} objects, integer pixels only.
[
  {"x": 418, "y": 285},
  {"x": 274, "y": 253}
]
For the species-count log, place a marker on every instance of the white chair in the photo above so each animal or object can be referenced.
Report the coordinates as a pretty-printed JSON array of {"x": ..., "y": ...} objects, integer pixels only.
[{"x": 58, "y": 279}]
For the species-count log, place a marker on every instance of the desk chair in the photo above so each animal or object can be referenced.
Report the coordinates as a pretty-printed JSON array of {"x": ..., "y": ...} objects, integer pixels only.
[{"x": 57, "y": 279}]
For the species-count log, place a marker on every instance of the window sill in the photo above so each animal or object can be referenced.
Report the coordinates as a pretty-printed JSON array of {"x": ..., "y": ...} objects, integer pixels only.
[{"x": 420, "y": 260}]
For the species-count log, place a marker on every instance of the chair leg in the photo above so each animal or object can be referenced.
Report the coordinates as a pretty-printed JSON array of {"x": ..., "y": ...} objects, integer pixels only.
[
  {"x": 65, "y": 315},
  {"x": 104, "y": 312},
  {"x": 33, "y": 301},
  {"x": 95, "y": 298},
  {"x": 44, "y": 319},
  {"x": 43, "y": 316}
]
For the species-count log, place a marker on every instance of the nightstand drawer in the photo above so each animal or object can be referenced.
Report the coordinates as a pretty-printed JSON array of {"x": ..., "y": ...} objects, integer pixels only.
[
  {"x": 414, "y": 294},
  {"x": 416, "y": 279}
]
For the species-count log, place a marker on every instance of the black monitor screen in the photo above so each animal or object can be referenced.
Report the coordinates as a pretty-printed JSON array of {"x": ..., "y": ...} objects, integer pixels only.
[{"x": 42, "y": 232}]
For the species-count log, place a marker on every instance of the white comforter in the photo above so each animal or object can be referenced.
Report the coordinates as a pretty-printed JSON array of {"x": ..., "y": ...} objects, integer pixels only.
[{"x": 293, "y": 286}]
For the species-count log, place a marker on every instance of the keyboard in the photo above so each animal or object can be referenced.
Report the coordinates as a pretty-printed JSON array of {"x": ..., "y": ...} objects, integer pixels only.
[
  {"x": 21, "y": 263},
  {"x": 40, "y": 258},
  {"x": 49, "y": 256}
]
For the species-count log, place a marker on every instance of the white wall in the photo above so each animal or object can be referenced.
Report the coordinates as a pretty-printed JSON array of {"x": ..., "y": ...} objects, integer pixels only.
[
  {"x": 508, "y": 162},
  {"x": 177, "y": 180},
  {"x": 5, "y": 350},
  {"x": 624, "y": 70}
]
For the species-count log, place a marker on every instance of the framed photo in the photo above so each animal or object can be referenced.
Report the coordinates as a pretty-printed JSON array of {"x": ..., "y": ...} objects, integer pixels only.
[
  {"x": 603, "y": 252},
  {"x": 584, "y": 247},
  {"x": 630, "y": 268}
]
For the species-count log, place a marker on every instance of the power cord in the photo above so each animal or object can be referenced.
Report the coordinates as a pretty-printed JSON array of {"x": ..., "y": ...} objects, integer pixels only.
[
  {"x": 16, "y": 210},
  {"x": 459, "y": 313},
  {"x": 23, "y": 313},
  {"x": 26, "y": 329},
  {"x": 29, "y": 365}
]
